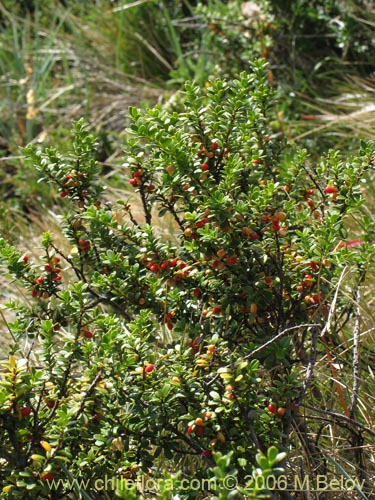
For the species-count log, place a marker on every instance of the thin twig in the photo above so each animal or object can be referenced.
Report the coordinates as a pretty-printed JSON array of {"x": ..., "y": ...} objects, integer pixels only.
[
  {"x": 327, "y": 326},
  {"x": 311, "y": 365},
  {"x": 339, "y": 416},
  {"x": 356, "y": 366},
  {"x": 8, "y": 327},
  {"x": 277, "y": 337}
]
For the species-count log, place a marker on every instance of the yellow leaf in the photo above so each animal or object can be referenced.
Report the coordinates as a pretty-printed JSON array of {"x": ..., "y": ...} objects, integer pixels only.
[
  {"x": 46, "y": 446},
  {"x": 118, "y": 444},
  {"x": 12, "y": 361}
]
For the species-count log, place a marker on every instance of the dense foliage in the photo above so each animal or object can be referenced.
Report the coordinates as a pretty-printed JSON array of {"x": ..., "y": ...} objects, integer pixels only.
[
  {"x": 176, "y": 334},
  {"x": 196, "y": 320}
]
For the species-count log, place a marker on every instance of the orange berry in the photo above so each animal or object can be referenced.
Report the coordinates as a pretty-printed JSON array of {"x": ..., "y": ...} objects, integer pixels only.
[
  {"x": 211, "y": 349},
  {"x": 281, "y": 216},
  {"x": 220, "y": 436},
  {"x": 253, "y": 308},
  {"x": 330, "y": 189},
  {"x": 221, "y": 253}
]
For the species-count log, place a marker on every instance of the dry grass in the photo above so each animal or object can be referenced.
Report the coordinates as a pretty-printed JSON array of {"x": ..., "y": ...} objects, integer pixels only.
[{"x": 342, "y": 120}]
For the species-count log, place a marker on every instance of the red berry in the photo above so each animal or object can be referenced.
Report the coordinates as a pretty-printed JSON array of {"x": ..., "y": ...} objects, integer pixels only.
[
  {"x": 276, "y": 224},
  {"x": 308, "y": 280},
  {"x": 216, "y": 310},
  {"x": 310, "y": 203},
  {"x": 272, "y": 408},
  {"x": 87, "y": 334},
  {"x": 206, "y": 453},
  {"x": 63, "y": 194},
  {"x": 268, "y": 280},
  {"x": 84, "y": 245},
  {"x": 199, "y": 430},
  {"x": 47, "y": 476},
  {"x": 48, "y": 269},
  {"x": 34, "y": 293},
  {"x": 154, "y": 268},
  {"x": 133, "y": 181},
  {"x": 26, "y": 259},
  {"x": 197, "y": 292},
  {"x": 205, "y": 220},
  {"x": 151, "y": 187},
  {"x": 330, "y": 189},
  {"x": 149, "y": 368},
  {"x": 137, "y": 174},
  {"x": 40, "y": 280},
  {"x": 25, "y": 411},
  {"x": 232, "y": 260},
  {"x": 205, "y": 167},
  {"x": 253, "y": 236},
  {"x": 190, "y": 429},
  {"x": 164, "y": 265}
]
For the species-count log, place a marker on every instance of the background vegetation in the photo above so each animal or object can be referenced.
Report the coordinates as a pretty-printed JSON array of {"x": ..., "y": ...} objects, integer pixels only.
[{"x": 71, "y": 345}]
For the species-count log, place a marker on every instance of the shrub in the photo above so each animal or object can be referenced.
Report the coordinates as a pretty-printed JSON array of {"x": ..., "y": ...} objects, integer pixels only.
[{"x": 176, "y": 336}]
